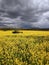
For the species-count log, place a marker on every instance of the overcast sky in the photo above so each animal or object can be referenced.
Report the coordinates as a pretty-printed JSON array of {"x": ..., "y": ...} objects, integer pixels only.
[{"x": 24, "y": 13}]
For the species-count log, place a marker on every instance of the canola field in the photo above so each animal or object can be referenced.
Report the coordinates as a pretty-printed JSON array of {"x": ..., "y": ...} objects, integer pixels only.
[{"x": 24, "y": 48}]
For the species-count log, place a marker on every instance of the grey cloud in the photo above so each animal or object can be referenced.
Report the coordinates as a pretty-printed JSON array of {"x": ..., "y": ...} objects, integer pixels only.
[
  {"x": 24, "y": 13},
  {"x": 43, "y": 21}
]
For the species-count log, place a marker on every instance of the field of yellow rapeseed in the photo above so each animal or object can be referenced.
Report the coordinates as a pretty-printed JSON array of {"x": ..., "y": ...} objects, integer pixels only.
[{"x": 27, "y": 48}]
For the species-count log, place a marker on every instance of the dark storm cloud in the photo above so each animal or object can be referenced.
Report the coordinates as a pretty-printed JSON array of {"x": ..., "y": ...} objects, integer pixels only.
[{"x": 25, "y": 13}]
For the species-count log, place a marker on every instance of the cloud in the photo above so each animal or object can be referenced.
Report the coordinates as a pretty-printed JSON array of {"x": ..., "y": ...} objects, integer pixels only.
[
  {"x": 24, "y": 13},
  {"x": 43, "y": 21}
]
